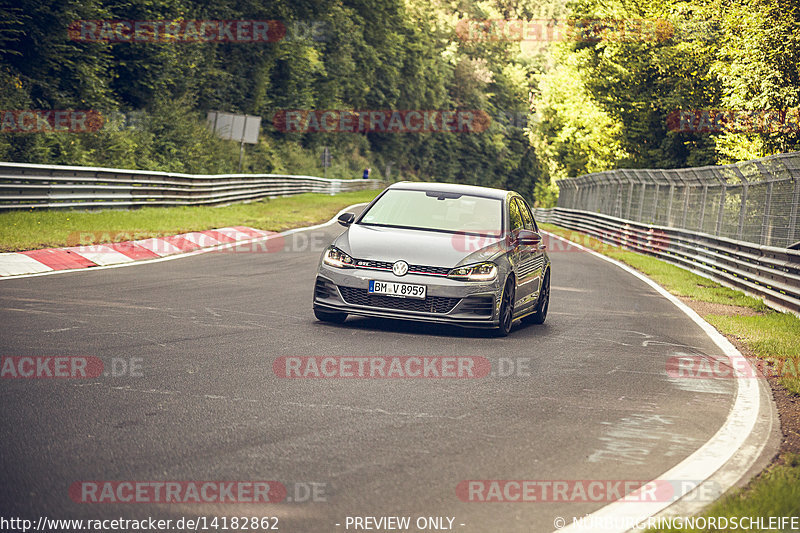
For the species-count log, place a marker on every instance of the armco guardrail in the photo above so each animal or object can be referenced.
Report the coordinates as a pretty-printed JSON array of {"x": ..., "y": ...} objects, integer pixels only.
[
  {"x": 24, "y": 186},
  {"x": 769, "y": 272}
]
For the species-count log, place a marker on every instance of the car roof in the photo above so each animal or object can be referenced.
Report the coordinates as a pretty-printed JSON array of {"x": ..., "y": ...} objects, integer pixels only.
[{"x": 451, "y": 188}]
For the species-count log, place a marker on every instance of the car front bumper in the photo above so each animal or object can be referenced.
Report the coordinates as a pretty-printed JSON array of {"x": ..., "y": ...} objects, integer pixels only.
[{"x": 471, "y": 304}]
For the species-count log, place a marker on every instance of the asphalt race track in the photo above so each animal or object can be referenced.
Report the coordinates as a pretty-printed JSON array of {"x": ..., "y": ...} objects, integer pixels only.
[{"x": 589, "y": 397}]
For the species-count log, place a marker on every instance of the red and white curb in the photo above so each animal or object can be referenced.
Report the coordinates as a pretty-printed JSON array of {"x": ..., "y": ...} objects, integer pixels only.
[
  {"x": 77, "y": 257},
  {"x": 53, "y": 261}
]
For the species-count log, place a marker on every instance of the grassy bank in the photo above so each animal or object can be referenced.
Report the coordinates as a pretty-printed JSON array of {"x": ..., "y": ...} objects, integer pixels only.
[
  {"x": 766, "y": 333},
  {"x": 32, "y": 229}
]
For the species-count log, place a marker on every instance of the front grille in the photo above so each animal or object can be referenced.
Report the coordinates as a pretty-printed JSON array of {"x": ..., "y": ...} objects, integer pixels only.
[
  {"x": 479, "y": 305},
  {"x": 433, "y": 271},
  {"x": 431, "y": 304},
  {"x": 412, "y": 269}
]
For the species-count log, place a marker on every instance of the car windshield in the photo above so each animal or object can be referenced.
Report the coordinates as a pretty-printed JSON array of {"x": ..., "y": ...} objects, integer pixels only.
[{"x": 437, "y": 211}]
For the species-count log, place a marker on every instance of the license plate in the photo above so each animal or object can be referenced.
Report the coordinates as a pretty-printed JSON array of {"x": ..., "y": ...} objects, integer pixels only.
[{"x": 398, "y": 290}]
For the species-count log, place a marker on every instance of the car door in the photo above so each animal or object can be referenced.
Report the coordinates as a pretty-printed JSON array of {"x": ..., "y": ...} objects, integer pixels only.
[
  {"x": 520, "y": 255},
  {"x": 536, "y": 254}
]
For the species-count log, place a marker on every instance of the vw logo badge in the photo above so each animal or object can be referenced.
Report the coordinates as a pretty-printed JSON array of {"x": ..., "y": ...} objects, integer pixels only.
[{"x": 400, "y": 268}]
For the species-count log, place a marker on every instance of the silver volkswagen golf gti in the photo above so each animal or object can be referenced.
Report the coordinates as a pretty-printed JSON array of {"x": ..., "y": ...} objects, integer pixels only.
[{"x": 437, "y": 252}]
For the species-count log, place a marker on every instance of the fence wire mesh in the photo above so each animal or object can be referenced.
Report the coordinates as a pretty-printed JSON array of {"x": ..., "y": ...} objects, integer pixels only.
[{"x": 754, "y": 201}]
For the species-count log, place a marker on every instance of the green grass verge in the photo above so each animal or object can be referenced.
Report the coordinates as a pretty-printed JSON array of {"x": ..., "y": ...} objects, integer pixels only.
[
  {"x": 675, "y": 279},
  {"x": 32, "y": 229},
  {"x": 776, "y": 492},
  {"x": 770, "y": 335}
]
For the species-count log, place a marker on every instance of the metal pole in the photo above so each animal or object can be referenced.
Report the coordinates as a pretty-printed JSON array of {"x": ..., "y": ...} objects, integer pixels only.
[
  {"x": 686, "y": 188},
  {"x": 703, "y": 207},
  {"x": 630, "y": 201},
  {"x": 743, "y": 199},
  {"x": 793, "y": 215},
  {"x": 669, "y": 203},
  {"x": 655, "y": 204},
  {"x": 740, "y": 229},
  {"x": 641, "y": 200},
  {"x": 241, "y": 146},
  {"x": 718, "y": 230},
  {"x": 765, "y": 218}
]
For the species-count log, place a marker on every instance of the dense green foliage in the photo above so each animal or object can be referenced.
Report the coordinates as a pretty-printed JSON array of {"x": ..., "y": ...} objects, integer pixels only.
[
  {"x": 559, "y": 109},
  {"x": 606, "y": 103},
  {"x": 352, "y": 54}
]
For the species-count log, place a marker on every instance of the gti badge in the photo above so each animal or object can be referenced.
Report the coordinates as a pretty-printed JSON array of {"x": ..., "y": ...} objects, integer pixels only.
[{"x": 400, "y": 268}]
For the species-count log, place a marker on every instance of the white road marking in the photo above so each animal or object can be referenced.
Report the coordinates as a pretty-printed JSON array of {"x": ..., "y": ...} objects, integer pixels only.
[{"x": 707, "y": 459}]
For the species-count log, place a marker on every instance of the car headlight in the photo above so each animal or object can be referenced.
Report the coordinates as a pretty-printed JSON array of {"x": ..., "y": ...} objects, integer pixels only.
[
  {"x": 479, "y": 272},
  {"x": 336, "y": 258}
]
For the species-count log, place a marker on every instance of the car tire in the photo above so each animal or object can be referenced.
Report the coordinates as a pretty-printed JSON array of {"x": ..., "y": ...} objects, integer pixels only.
[
  {"x": 543, "y": 303},
  {"x": 333, "y": 318},
  {"x": 506, "y": 313}
]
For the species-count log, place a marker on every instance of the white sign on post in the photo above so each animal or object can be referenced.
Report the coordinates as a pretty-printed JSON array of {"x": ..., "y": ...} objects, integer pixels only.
[{"x": 240, "y": 128}]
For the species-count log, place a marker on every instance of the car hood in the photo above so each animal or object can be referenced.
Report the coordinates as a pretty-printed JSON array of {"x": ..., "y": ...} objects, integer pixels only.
[{"x": 417, "y": 247}]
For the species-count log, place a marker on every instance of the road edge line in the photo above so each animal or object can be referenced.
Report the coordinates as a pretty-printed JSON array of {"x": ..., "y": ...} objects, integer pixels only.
[{"x": 622, "y": 516}]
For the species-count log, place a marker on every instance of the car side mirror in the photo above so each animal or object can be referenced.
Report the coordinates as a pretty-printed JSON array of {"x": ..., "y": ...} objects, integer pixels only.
[
  {"x": 345, "y": 219},
  {"x": 526, "y": 237}
]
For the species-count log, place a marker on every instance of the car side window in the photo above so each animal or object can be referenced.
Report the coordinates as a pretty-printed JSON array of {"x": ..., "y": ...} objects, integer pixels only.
[
  {"x": 514, "y": 215},
  {"x": 527, "y": 218}
]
